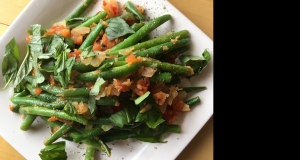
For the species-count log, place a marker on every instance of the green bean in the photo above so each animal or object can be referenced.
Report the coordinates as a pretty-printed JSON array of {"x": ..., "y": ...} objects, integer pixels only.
[
  {"x": 145, "y": 30},
  {"x": 131, "y": 8},
  {"x": 162, "y": 48},
  {"x": 80, "y": 67},
  {"x": 91, "y": 142},
  {"x": 120, "y": 71},
  {"x": 137, "y": 26},
  {"x": 89, "y": 134},
  {"x": 94, "y": 19},
  {"x": 89, "y": 153},
  {"x": 98, "y": 144},
  {"x": 44, "y": 96},
  {"x": 21, "y": 94},
  {"x": 175, "y": 80},
  {"x": 14, "y": 108},
  {"x": 178, "y": 51},
  {"x": 80, "y": 9},
  {"x": 77, "y": 99},
  {"x": 31, "y": 101},
  {"x": 91, "y": 37},
  {"x": 193, "y": 89},
  {"x": 101, "y": 120},
  {"x": 117, "y": 136},
  {"x": 107, "y": 101},
  {"x": 88, "y": 76},
  {"x": 42, "y": 111},
  {"x": 173, "y": 128},
  {"x": 28, "y": 120},
  {"x": 161, "y": 77},
  {"x": 58, "y": 91},
  {"x": 164, "y": 66},
  {"x": 58, "y": 133},
  {"x": 119, "y": 63},
  {"x": 193, "y": 101},
  {"x": 154, "y": 42}
]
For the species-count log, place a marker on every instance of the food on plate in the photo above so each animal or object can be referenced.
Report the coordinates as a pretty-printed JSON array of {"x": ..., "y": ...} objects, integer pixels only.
[{"x": 99, "y": 78}]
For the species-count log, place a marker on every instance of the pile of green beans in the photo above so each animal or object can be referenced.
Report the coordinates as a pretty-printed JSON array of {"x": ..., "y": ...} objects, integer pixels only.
[{"x": 53, "y": 103}]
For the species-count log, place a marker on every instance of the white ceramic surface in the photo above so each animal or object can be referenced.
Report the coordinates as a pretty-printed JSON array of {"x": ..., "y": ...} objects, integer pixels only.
[{"x": 46, "y": 12}]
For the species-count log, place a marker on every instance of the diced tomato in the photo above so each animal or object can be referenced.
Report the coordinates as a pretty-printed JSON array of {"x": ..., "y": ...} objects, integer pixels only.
[
  {"x": 58, "y": 29},
  {"x": 52, "y": 118},
  {"x": 112, "y": 8},
  {"x": 11, "y": 107},
  {"x": 141, "y": 86},
  {"x": 172, "y": 57},
  {"x": 174, "y": 110},
  {"x": 75, "y": 54},
  {"x": 131, "y": 59},
  {"x": 37, "y": 91},
  {"x": 122, "y": 85},
  {"x": 77, "y": 39},
  {"x": 108, "y": 43},
  {"x": 28, "y": 38},
  {"x": 97, "y": 46}
]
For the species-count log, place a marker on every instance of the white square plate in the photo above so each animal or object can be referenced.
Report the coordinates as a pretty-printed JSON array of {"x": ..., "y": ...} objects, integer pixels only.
[{"x": 47, "y": 12}]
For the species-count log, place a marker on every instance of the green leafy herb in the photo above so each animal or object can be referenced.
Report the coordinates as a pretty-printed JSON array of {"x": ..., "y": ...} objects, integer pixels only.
[
  {"x": 87, "y": 52},
  {"x": 36, "y": 49},
  {"x": 152, "y": 117},
  {"x": 125, "y": 116},
  {"x": 54, "y": 151},
  {"x": 96, "y": 88},
  {"x": 10, "y": 62},
  {"x": 70, "y": 108},
  {"x": 117, "y": 27},
  {"x": 25, "y": 68},
  {"x": 196, "y": 62},
  {"x": 92, "y": 104}
]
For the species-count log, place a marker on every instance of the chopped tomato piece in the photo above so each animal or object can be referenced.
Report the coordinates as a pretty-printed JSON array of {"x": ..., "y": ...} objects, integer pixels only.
[
  {"x": 112, "y": 8},
  {"x": 28, "y": 38},
  {"x": 108, "y": 43},
  {"x": 58, "y": 29},
  {"x": 75, "y": 54},
  {"x": 97, "y": 46},
  {"x": 38, "y": 91},
  {"x": 131, "y": 59}
]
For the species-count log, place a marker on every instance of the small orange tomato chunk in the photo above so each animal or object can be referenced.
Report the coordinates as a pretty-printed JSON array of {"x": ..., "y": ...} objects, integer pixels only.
[
  {"x": 112, "y": 8},
  {"x": 38, "y": 91}
]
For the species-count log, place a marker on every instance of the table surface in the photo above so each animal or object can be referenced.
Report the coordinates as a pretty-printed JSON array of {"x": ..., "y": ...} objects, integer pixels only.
[{"x": 200, "y": 12}]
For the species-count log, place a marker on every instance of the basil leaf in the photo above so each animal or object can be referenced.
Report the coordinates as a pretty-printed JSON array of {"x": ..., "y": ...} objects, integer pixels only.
[
  {"x": 117, "y": 27},
  {"x": 125, "y": 116},
  {"x": 10, "y": 62},
  {"x": 96, "y": 88},
  {"x": 152, "y": 117},
  {"x": 36, "y": 49},
  {"x": 88, "y": 52},
  {"x": 198, "y": 63},
  {"x": 70, "y": 108},
  {"x": 54, "y": 151},
  {"x": 25, "y": 68},
  {"x": 92, "y": 104}
]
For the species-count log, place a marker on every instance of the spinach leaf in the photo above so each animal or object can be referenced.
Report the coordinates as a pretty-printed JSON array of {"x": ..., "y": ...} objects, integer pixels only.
[
  {"x": 198, "y": 63},
  {"x": 54, "y": 151},
  {"x": 10, "y": 62},
  {"x": 117, "y": 27}
]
